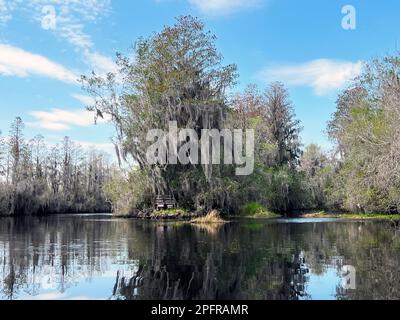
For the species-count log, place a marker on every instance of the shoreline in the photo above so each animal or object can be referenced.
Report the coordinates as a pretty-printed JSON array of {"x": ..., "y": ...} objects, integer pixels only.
[
  {"x": 181, "y": 215},
  {"x": 187, "y": 217},
  {"x": 351, "y": 216}
]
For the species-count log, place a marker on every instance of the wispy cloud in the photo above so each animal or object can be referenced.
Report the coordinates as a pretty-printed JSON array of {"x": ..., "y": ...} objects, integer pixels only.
[
  {"x": 5, "y": 14},
  {"x": 66, "y": 19},
  {"x": 70, "y": 20},
  {"x": 322, "y": 75},
  {"x": 100, "y": 64},
  {"x": 88, "y": 10},
  {"x": 17, "y": 62},
  {"x": 224, "y": 7},
  {"x": 62, "y": 120},
  {"x": 85, "y": 100}
]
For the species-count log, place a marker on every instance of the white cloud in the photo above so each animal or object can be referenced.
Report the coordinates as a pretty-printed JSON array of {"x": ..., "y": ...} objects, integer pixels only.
[
  {"x": 224, "y": 7},
  {"x": 73, "y": 33},
  {"x": 17, "y": 62},
  {"x": 61, "y": 120},
  {"x": 322, "y": 75},
  {"x": 66, "y": 10},
  {"x": 86, "y": 100},
  {"x": 5, "y": 14},
  {"x": 101, "y": 64},
  {"x": 68, "y": 19}
]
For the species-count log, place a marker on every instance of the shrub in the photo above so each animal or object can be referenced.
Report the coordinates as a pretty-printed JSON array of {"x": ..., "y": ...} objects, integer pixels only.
[{"x": 255, "y": 209}]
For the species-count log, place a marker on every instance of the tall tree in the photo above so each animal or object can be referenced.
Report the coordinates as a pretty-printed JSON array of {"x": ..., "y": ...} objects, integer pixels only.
[
  {"x": 284, "y": 129},
  {"x": 3, "y": 153},
  {"x": 177, "y": 75},
  {"x": 365, "y": 129},
  {"x": 16, "y": 144},
  {"x": 318, "y": 170},
  {"x": 38, "y": 150}
]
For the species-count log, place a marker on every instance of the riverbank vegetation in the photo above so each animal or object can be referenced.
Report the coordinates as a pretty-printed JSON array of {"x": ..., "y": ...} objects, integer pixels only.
[
  {"x": 37, "y": 179},
  {"x": 178, "y": 75}
]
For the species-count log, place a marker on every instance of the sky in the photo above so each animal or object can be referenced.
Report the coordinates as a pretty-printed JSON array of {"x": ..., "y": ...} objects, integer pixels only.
[{"x": 314, "y": 47}]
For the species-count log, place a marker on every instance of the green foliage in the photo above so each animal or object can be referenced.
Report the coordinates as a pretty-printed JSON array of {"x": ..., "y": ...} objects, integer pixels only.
[
  {"x": 255, "y": 209},
  {"x": 252, "y": 209},
  {"x": 128, "y": 191},
  {"x": 365, "y": 129},
  {"x": 279, "y": 189}
]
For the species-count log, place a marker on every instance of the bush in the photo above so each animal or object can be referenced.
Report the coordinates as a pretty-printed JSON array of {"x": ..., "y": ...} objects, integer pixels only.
[{"x": 255, "y": 209}]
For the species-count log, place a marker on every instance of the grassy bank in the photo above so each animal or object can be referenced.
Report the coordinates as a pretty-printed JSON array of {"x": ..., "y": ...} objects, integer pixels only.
[
  {"x": 358, "y": 216},
  {"x": 258, "y": 211}
]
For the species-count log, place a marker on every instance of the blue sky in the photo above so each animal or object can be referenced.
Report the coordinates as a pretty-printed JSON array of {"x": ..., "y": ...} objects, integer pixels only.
[{"x": 301, "y": 43}]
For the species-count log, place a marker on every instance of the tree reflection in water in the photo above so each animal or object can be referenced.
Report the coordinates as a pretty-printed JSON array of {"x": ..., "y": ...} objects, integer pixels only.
[{"x": 125, "y": 259}]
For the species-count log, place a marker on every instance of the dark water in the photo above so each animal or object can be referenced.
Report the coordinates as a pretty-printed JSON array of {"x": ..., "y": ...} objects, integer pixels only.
[{"x": 97, "y": 257}]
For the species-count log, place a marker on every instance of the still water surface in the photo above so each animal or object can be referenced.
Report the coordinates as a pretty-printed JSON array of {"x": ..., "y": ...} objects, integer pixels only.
[{"x": 98, "y": 257}]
